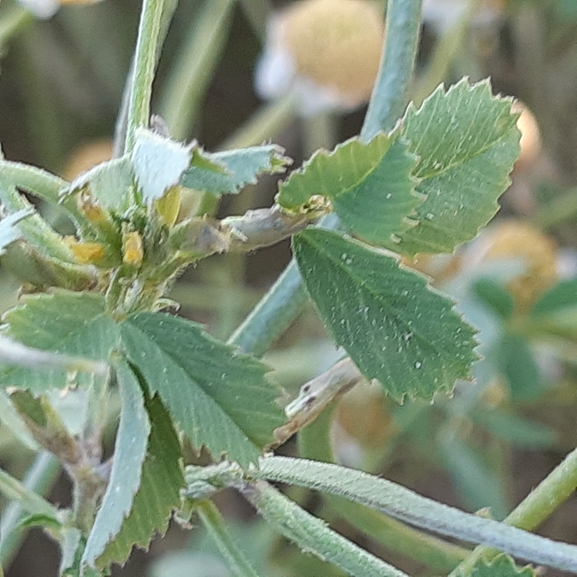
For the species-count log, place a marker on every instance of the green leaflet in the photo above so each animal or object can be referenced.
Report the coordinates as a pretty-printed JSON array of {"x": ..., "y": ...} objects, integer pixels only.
[
  {"x": 467, "y": 142},
  {"x": 158, "y": 163},
  {"x": 9, "y": 231},
  {"x": 393, "y": 325},
  {"x": 70, "y": 323},
  {"x": 216, "y": 396},
  {"x": 111, "y": 184},
  {"x": 370, "y": 186},
  {"x": 227, "y": 172},
  {"x": 501, "y": 566},
  {"x": 159, "y": 492},
  {"x": 129, "y": 453}
]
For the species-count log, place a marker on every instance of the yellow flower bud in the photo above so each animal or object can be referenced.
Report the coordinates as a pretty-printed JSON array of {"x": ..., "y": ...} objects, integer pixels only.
[
  {"x": 169, "y": 205},
  {"x": 132, "y": 251},
  {"x": 87, "y": 252}
]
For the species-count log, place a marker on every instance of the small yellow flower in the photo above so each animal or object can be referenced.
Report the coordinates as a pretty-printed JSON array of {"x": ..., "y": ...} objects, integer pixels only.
[
  {"x": 325, "y": 51},
  {"x": 87, "y": 252},
  {"x": 133, "y": 250}
]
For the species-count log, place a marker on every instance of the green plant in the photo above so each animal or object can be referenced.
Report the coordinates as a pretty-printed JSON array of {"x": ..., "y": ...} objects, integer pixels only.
[{"x": 91, "y": 324}]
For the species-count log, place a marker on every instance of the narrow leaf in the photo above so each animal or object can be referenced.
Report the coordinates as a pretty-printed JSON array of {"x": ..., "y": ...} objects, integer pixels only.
[
  {"x": 370, "y": 186},
  {"x": 403, "y": 504},
  {"x": 64, "y": 322},
  {"x": 227, "y": 172},
  {"x": 129, "y": 454},
  {"x": 559, "y": 299},
  {"x": 9, "y": 231},
  {"x": 467, "y": 142},
  {"x": 500, "y": 566},
  {"x": 159, "y": 492},
  {"x": 159, "y": 163},
  {"x": 394, "y": 326},
  {"x": 216, "y": 396}
]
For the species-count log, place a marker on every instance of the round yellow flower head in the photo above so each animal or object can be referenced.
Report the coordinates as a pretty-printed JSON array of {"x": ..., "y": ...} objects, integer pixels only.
[
  {"x": 328, "y": 50},
  {"x": 530, "y": 136},
  {"x": 539, "y": 252}
]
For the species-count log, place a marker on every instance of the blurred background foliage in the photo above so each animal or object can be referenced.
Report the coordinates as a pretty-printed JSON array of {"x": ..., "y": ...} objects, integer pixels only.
[{"x": 61, "y": 84}]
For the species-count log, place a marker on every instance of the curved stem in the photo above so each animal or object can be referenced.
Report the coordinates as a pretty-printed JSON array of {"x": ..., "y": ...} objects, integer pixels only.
[
  {"x": 285, "y": 300},
  {"x": 410, "y": 507},
  {"x": 216, "y": 527},
  {"x": 39, "y": 478},
  {"x": 145, "y": 58},
  {"x": 554, "y": 490},
  {"x": 401, "y": 40}
]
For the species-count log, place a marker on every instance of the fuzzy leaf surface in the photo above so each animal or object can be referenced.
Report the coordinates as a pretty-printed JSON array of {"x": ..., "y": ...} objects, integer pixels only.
[
  {"x": 467, "y": 141},
  {"x": 159, "y": 492},
  {"x": 158, "y": 163},
  {"x": 370, "y": 186},
  {"x": 501, "y": 566},
  {"x": 217, "y": 397},
  {"x": 111, "y": 183},
  {"x": 9, "y": 231},
  {"x": 129, "y": 454},
  {"x": 229, "y": 171},
  {"x": 70, "y": 323},
  {"x": 394, "y": 326}
]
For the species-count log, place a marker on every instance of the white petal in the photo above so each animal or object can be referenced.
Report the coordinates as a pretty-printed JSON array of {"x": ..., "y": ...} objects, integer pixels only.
[{"x": 41, "y": 8}]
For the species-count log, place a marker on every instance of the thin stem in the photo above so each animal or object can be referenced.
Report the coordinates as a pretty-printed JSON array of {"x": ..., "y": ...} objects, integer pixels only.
[
  {"x": 216, "y": 527},
  {"x": 402, "y": 37},
  {"x": 194, "y": 66},
  {"x": 312, "y": 534},
  {"x": 12, "y": 21},
  {"x": 145, "y": 59},
  {"x": 285, "y": 300},
  {"x": 410, "y": 507},
  {"x": 554, "y": 490},
  {"x": 39, "y": 478}
]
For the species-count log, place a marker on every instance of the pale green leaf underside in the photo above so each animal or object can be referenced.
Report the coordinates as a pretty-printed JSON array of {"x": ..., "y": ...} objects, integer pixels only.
[
  {"x": 111, "y": 183},
  {"x": 394, "y": 326},
  {"x": 501, "y": 566},
  {"x": 129, "y": 453},
  {"x": 227, "y": 172},
  {"x": 159, "y": 492},
  {"x": 467, "y": 142},
  {"x": 218, "y": 398},
  {"x": 9, "y": 231},
  {"x": 158, "y": 163},
  {"x": 370, "y": 186},
  {"x": 69, "y": 323}
]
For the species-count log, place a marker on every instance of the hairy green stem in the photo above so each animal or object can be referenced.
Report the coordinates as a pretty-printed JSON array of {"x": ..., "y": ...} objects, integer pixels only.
[
  {"x": 405, "y": 505},
  {"x": 312, "y": 534},
  {"x": 401, "y": 40},
  {"x": 314, "y": 443},
  {"x": 145, "y": 59},
  {"x": 216, "y": 527},
  {"x": 554, "y": 490},
  {"x": 39, "y": 478},
  {"x": 285, "y": 300},
  {"x": 194, "y": 66}
]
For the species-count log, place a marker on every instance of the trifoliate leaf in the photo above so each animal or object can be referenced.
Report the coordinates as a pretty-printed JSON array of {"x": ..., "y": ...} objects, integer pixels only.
[
  {"x": 129, "y": 454},
  {"x": 370, "y": 186},
  {"x": 69, "y": 323},
  {"x": 158, "y": 163},
  {"x": 9, "y": 231},
  {"x": 467, "y": 142},
  {"x": 217, "y": 397},
  {"x": 159, "y": 492},
  {"x": 394, "y": 326},
  {"x": 111, "y": 184},
  {"x": 227, "y": 172},
  {"x": 501, "y": 566}
]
